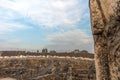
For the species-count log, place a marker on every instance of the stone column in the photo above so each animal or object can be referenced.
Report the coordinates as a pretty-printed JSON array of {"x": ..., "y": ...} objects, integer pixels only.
[
  {"x": 105, "y": 21},
  {"x": 69, "y": 76}
]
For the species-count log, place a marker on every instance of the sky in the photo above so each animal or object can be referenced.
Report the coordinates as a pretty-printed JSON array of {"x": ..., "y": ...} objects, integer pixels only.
[{"x": 61, "y": 25}]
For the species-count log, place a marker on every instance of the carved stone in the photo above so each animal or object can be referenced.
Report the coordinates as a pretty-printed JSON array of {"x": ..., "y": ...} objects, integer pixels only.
[{"x": 105, "y": 21}]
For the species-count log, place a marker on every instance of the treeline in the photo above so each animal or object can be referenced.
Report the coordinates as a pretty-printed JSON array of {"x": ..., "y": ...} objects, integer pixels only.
[{"x": 18, "y": 53}]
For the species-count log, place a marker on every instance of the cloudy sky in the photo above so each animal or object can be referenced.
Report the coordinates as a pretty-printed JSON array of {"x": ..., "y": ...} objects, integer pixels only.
[{"x": 61, "y": 25}]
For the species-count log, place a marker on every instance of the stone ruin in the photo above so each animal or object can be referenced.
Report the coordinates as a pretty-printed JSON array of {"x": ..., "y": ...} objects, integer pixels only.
[
  {"x": 105, "y": 21},
  {"x": 47, "y": 69}
]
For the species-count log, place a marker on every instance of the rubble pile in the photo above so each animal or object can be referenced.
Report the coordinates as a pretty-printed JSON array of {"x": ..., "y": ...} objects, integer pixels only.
[{"x": 46, "y": 69}]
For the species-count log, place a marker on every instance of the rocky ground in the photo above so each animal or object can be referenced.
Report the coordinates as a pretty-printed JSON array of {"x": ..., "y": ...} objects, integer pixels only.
[{"x": 47, "y": 68}]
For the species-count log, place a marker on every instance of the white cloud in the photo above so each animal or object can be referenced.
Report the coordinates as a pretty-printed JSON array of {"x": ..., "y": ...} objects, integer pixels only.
[
  {"x": 48, "y": 13},
  {"x": 16, "y": 44},
  {"x": 8, "y": 43},
  {"x": 9, "y": 27},
  {"x": 70, "y": 40},
  {"x": 7, "y": 40},
  {"x": 64, "y": 15},
  {"x": 8, "y": 21}
]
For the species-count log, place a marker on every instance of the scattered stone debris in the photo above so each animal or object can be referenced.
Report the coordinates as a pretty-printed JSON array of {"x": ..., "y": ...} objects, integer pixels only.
[{"x": 46, "y": 68}]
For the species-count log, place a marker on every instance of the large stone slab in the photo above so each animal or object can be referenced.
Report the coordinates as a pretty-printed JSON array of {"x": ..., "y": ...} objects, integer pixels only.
[{"x": 7, "y": 79}]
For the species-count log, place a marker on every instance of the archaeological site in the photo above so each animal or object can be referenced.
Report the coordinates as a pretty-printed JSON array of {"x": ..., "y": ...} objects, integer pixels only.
[{"x": 102, "y": 64}]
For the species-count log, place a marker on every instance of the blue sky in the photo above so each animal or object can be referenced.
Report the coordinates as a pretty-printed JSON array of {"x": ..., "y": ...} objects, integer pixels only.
[{"x": 61, "y": 25}]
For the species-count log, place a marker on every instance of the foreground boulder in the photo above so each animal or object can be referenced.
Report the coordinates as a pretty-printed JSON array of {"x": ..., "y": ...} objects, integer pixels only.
[{"x": 105, "y": 20}]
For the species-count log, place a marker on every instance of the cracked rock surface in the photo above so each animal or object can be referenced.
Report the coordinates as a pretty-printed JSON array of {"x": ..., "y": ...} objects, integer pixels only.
[{"x": 105, "y": 21}]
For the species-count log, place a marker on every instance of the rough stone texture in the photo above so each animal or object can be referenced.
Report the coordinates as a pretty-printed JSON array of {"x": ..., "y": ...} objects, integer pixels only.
[
  {"x": 7, "y": 79},
  {"x": 47, "y": 68},
  {"x": 105, "y": 20}
]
